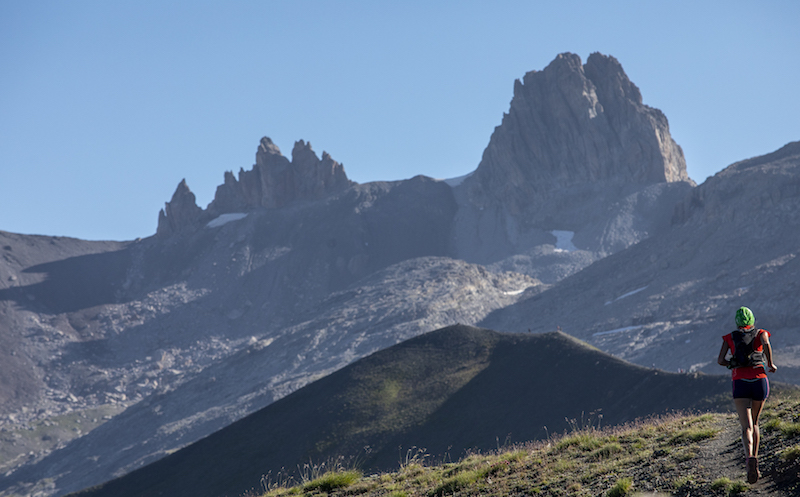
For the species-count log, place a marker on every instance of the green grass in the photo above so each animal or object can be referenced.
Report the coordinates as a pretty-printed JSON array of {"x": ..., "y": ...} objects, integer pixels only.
[
  {"x": 728, "y": 487},
  {"x": 651, "y": 457},
  {"x": 332, "y": 480},
  {"x": 791, "y": 454},
  {"x": 787, "y": 428},
  {"x": 609, "y": 462},
  {"x": 621, "y": 488}
]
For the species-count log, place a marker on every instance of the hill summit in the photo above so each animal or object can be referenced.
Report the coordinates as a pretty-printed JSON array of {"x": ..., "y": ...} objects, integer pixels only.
[{"x": 449, "y": 391}]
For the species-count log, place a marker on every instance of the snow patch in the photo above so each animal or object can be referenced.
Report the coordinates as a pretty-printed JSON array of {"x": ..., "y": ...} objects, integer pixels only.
[
  {"x": 515, "y": 292},
  {"x": 225, "y": 219},
  {"x": 564, "y": 241},
  {"x": 616, "y": 330},
  {"x": 634, "y": 292}
]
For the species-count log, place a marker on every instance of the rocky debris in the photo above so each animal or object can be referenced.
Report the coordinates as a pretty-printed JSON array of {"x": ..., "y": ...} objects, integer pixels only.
[{"x": 400, "y": 302}]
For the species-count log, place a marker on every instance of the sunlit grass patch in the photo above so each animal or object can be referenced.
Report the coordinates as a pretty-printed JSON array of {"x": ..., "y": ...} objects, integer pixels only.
[
  {"x": 583, "y": 440},
  {"x": 621, "y": 488},
  {"x": 333, "y": 480},
  {"x": 694, "y": 435},
  {"x": 642, "y": 458},
  {"x": 791, "y": 454},
  {"x": 729, "y": 487}
]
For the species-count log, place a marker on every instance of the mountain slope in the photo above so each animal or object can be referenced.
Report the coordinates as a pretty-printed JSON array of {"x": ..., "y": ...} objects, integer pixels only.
[
  {"x": 454, "y": 389},
  {"x": 668, "y": 300},
  {"x": 400, "y": 302}
]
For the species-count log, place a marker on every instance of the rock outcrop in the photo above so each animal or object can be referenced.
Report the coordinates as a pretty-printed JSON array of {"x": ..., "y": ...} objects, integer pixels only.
[
  {"x": 573, "y": 124},
  {"x": 180, "y": 213},
  {"x": 273, "y": 182},
  {"x": 577, "y": 152}
]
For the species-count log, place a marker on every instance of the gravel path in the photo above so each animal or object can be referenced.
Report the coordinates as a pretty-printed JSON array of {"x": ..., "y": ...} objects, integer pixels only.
[{"x": 723, "y": 457}]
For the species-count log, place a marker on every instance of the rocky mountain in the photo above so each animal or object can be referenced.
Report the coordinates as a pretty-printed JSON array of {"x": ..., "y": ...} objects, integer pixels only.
[
  {"x": 577, "y": 152},
  {"x": 667, "y": 300},
  {"x": 580, "y": 215},
  {"x": 574, "y": 124},
  {"x": 449, "y": 391}
]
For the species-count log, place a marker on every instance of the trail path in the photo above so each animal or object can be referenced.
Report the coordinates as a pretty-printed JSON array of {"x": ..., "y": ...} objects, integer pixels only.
[{"x": 723, "y": 456}]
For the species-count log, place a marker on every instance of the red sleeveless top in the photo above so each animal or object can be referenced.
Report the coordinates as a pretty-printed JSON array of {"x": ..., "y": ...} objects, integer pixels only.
[{"x": 748, "y": 372}]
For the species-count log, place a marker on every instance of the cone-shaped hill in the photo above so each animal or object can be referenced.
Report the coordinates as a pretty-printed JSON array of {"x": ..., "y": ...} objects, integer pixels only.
[{"x": 448, "y": 391}]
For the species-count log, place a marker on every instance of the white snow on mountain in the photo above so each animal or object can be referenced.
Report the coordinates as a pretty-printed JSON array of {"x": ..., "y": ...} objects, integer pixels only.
[{"x": 225, "y": 219}]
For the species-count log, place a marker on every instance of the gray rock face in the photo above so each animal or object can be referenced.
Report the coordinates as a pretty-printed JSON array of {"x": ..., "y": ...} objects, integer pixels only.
[
  {"x": 577, "y": 151},
  {"x": 180, "y": 213},
  {"x": 574, "y": 124},
  {"x": 275, "y": 181}
]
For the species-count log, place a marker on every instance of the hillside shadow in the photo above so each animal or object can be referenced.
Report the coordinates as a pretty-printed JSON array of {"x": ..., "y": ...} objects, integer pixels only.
[
  {"x": 73, "y": 284},
  {"x": 535, "y": 388}
]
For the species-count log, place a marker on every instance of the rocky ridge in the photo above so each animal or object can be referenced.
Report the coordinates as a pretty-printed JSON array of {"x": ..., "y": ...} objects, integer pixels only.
[{"x": 274, "y": 182}]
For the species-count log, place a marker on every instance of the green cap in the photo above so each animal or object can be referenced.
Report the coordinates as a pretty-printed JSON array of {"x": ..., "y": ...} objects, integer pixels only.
[{"x": 744, "y": 317}]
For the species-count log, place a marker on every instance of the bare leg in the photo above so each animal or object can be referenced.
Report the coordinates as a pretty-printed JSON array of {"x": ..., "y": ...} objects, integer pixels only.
[
  {"x": 746, "y": 420},
  {"x": 755, "y": 411}
]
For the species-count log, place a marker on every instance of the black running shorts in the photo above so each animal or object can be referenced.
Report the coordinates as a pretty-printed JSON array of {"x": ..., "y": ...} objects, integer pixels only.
[{"x": 757, "y": 389}]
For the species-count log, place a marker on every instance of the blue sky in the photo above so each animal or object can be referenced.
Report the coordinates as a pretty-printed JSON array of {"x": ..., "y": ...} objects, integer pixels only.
[{"x": 106, "y": 106}]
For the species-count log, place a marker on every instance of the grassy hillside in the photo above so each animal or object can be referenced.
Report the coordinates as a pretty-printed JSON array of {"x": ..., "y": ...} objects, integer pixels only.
[
  {"x": 698, "y": 455},
  {"x": 450, "y": 391}
]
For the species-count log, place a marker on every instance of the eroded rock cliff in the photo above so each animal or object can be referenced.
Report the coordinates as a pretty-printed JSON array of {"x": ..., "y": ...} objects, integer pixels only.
[
  {"x": 274, "y": 182},
  {"x": 573, "y": 124}
]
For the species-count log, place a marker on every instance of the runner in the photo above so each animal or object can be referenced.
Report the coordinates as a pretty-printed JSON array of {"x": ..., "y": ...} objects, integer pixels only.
[{"x": 750, "y": 352}]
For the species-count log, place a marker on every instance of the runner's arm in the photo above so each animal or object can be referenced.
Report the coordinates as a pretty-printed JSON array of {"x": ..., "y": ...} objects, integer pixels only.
[
  {"x": 722, "y": 353},
  {"x": 768, "y": 352}
]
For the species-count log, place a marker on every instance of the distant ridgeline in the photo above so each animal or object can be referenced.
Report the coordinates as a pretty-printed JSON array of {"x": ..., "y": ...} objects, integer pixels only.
[
  {"x": 273, "y": 182},
  {"x": 574, "y": 153}
]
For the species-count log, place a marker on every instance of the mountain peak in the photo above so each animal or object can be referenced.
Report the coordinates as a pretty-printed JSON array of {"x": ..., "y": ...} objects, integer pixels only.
[
  {"x": 274, "y": 182},
  {"x": 573, "y": 124},
  {"x": 180, "y": 212}
]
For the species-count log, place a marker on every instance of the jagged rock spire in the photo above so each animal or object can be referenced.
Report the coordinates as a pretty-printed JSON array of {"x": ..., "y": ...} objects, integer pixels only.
[
  {"x": 180, "y": 212},
  {"x": 573, "y": 124},
  {"x": 275, "y": 181}
]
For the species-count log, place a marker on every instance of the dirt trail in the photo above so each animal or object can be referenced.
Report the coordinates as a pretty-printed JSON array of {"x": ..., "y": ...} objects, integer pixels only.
[{"x": 723, "y": 456}]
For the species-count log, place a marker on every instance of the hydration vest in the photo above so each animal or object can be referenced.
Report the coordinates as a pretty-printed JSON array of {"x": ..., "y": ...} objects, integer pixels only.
[{"x": 743, "y": 353}]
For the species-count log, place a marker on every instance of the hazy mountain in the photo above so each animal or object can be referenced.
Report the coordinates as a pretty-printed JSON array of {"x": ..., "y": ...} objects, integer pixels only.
[
  {"x": 579, "y": 215},
  {"x": 448, "y": 391}
]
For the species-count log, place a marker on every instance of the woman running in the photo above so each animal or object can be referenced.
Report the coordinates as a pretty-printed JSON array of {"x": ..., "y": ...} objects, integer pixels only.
[{"x": 750, "y": 352}]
